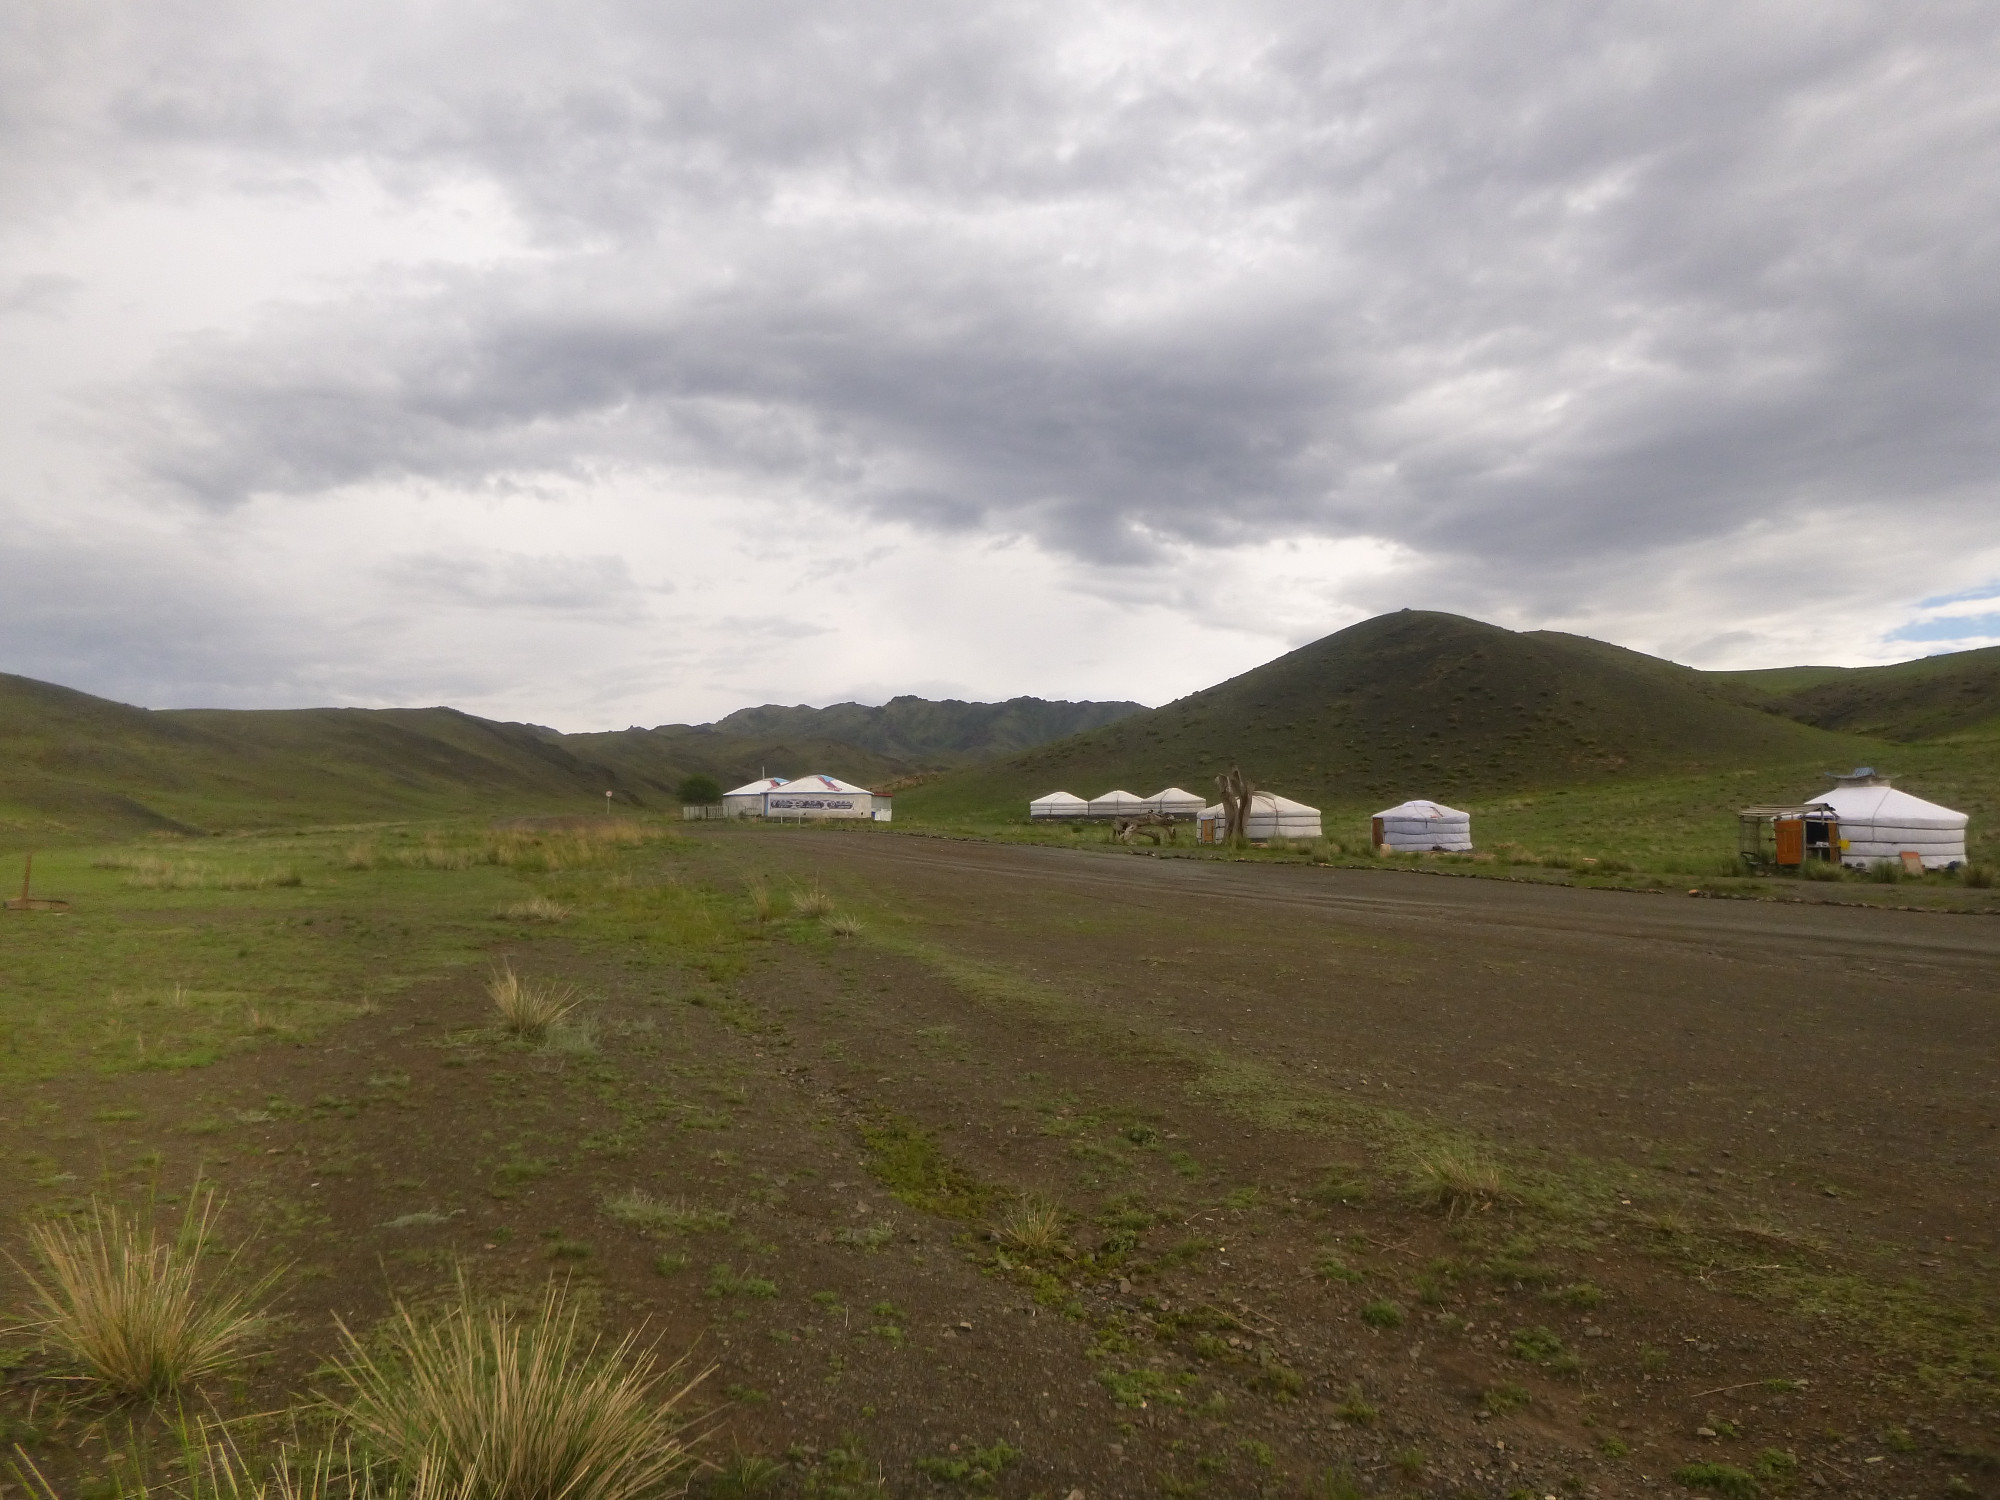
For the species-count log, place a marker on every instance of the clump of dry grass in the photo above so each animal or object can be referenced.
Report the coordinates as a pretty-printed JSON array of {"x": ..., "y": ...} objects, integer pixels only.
[
  {"x": 1035, "y": 1227},
  {"x": 488, "y": 1404},
  {"x": 762, "y": 906},
  {"x": 530, "y": 1009},
  {"x": 534, "y": 909},
  {"x": 133, "y": 1308},
  {"x": 1455, "y": 1178},
  {"x": 151, "y": 873},
  {"x": 812, "y": 901},
  {"x": 641, "y": 1210},
  {"x": 844, "y": 925}
]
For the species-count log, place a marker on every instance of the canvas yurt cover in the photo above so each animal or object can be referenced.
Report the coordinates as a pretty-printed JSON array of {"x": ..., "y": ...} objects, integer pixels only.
[
  {"x": 1175, "y": 803},
  {"x": 1271, "y": 817},
  {"x": 1117, "y": 805},
  {"x": 1878, "y": 822},
  {"x": 747, "y": 801},
  {"x": 819, "y": 797},
  {"x": 1424, "y": 826},
  {"x": 1058, "y": 805}
]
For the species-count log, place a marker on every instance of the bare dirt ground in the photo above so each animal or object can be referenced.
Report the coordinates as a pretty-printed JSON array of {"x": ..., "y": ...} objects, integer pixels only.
[{"x": 1745, "y": 1227}]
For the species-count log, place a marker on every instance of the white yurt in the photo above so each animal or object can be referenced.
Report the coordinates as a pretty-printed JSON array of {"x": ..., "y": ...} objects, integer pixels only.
[
  {"x": 1175, "y": 803},
  {"x": 1271, "y": 817},
  {"x": 1423, "y": 826},
  {"x": 1059, "y": 805},
  {"x": 1878, "y": 822},
  {"x": 747, "y": 801},
  {"x": 1117, "y": 805},
  {"x": 819, "y": 797}
]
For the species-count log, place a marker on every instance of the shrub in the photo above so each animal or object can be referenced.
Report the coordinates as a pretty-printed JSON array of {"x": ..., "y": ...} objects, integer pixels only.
[
  {"x": 1886, "y": 871},
  {"x": 131, "y": 1307},
  {"x": 1980, "y": 877},
  {"x": 487, "y": 1404},
  {"x": 699, "y": 789},
  {"x": 1382, "y": 1315},
  {"x": 529, "y": 1010},
  {"x": 812, "y": 901}
]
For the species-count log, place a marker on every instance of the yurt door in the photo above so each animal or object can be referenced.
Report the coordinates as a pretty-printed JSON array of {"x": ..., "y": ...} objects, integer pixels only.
[
  {"x": 1791, "y": 837},
  {"x": 1377, "y": 831}
]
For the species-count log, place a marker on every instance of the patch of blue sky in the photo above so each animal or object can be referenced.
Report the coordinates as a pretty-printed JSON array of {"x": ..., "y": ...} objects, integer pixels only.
[
  {"x": 1971, "y": 615},
  {"x": 1949, "y": 628}
]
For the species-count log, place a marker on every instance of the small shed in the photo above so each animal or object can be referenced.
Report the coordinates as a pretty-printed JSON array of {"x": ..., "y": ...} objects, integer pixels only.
[
  {"x": 1422, "y": 826},
  {"x": 1787, "y": 836},
  {"x": 820, "y": 797},
  {"x": 1058, "y": 805},
  {"x": 1270, "y": 817},
  {"x": 1878, "y": 822},
  {"x": 1117, "y": 805},
  {"x": 1175, "y": 803},
  {"x": 747, "y": 801}
]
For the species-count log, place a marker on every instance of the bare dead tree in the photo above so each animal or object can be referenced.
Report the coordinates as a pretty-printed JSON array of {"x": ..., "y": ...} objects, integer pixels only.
[{"x": 1236, "y": 794}]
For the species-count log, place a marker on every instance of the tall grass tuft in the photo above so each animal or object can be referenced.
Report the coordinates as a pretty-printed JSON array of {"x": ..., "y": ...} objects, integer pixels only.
[
  {"x": 762, "y": 907},
  {"x": 812, "y": 901},
  {"x": 487, "y": 1404},
  {"x": 1034, "y": 1226},
  {"x": 1455, "y": 1178},
  {"x": 844, "y": 924},
  {"x": 133, "y": 1308},
  {"x": 534, "y": 909},
  {"x": 529, "y": 1010}
]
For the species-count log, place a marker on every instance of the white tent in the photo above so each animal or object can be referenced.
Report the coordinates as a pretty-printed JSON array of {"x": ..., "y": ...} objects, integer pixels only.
[
  {"x": 1175, "y": 803},
  {"x": 820, "y": 797},
  {"x": 747, "y": 801},
  {"x": 1271, "y": 817},
  {"x": 1424, "y": 826},
  {"x": 1058, "y": 805},
  {"x": 1117, "y": 805},
  {"x": 1878, "y": 822}
]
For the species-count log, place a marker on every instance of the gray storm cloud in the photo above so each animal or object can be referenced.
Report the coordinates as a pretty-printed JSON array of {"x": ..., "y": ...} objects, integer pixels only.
[{"x": 1501, "y": 283}]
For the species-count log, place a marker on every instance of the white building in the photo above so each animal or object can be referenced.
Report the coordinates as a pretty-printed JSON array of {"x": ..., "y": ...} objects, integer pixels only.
[
  {"x": 1058, "y": 805},
  {"x": 824, "y": 797},
  {"x": 747, "y": 801},
  {"x": 1423, "y": 826},
  {"x": 1270, "y": 817},
  {"x": 1117, "y": 805},
  {"x": 1878, "y": 822},
  {"x": 1175, "y": 803}
]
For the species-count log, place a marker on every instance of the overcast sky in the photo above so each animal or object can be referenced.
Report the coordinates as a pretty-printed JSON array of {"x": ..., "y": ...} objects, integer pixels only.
[{"x": 606, "y": 363}]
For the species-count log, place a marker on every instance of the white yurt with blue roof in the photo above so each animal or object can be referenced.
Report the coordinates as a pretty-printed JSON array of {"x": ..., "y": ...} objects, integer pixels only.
[
  {"x": 1420, "y": 826},
  {"x": 1877, "y": 822}
]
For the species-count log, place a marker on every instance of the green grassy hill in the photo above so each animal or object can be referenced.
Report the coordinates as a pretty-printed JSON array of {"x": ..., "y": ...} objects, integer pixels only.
[
  {"x": 1928, "y": 699},
  {"x": 1552, "y": 740},
  {"x": 1415, "y": 704},
  {"x": 73, "y": 766}
]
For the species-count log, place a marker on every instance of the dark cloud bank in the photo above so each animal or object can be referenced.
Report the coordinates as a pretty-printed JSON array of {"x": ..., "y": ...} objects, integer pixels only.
[{"x": 1534, "y": 291}]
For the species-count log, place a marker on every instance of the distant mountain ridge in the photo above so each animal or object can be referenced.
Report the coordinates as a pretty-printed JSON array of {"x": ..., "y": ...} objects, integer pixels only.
[
  {"x": 920, "y": 729},
  {"x": 72, "y": 765},
  {"x": 1410, "y": 704}
]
